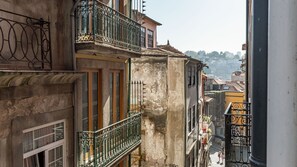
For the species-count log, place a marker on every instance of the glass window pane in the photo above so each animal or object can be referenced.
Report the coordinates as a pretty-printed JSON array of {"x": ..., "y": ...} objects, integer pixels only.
[
  {"x": 193, "y": 117},
  {"x": 117, "y": 5},
  {"x": 59, "y": 131},
  {"x": 143, "y": 37},
  {"x": 51, "y": 156},
  {"x": 189, "y": 75},
  {"x": 28, "y": 142},
  {"x": 110, "y": 96},
  {"x": 194, "y": 75},
  {"x": 189, "y": 120},
  {"x": 85, "y": 104},
  {"x": 55, "y": 157},
  {"x": 118, "y": 96},
  {"x": 85, "y": 17},
  {"x": 150, "y": 38},
  {"x": 95, "y": 100}
]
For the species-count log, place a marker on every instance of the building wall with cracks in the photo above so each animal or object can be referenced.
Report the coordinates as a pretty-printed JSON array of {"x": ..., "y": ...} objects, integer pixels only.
[{"x": 163, "y": 119}]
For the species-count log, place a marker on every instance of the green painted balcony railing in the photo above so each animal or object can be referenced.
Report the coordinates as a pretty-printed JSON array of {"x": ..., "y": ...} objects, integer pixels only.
[
  {"x": 96, "y": 22},
  {"x": 108, "y": 145}
]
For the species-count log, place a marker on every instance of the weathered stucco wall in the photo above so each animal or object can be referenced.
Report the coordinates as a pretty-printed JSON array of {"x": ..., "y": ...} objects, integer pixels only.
[
  {"x": 25, "y": 107},
  {"x": 57, "y": 12},
  {"x": 217, "y": 109},
  {"x": 163, "y": 123},
  {"x": 153, "y": 72},
  {"x": 175, "y": 137}
]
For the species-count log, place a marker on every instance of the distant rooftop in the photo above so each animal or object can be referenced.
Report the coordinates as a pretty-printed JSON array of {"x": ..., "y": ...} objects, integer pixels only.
[{"x": 170, "y": 48}]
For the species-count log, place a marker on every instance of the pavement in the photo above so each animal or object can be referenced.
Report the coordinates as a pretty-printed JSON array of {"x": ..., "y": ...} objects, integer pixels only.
[{"x": 214, "y": 149}]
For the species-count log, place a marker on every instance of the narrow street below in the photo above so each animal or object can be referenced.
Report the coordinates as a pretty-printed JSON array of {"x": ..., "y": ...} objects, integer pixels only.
[{"x": 214, "y": 150}]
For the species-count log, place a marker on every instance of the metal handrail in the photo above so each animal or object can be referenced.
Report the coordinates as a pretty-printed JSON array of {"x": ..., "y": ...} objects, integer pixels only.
[
  {"x": 105, "y": 146},
  {"x": 24, "y": 42},
  {"x": 237, "y": 134},
  {"x": 97, "y": 22}
]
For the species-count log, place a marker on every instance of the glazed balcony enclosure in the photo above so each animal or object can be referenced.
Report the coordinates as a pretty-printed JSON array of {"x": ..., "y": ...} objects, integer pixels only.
[
  {"x": 24, "y": 42},
  {"x": 100, "y": 27},
  {"x": 238, "y": 121}
]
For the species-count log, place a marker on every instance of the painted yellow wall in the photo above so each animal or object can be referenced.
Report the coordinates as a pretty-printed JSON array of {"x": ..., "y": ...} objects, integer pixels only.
[{"x": 233, "y": 97}]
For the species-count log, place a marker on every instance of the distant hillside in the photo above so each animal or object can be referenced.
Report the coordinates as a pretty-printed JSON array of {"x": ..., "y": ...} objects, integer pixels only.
[{"x": 221, "y": 64}]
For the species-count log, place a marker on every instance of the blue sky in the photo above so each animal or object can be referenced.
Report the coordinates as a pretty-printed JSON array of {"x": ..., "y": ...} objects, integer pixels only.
[{"x": 210, "y": 25}]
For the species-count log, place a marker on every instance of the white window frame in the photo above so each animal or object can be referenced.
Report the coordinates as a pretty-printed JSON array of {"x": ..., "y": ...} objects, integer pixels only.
[{"x": 50, "y": 146}]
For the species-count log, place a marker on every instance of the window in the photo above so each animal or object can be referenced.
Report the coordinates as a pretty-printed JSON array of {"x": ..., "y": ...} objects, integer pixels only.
[
  {"x": 150, "y": 38},
  {"x": 42, "y": 136},
  {"x": 189, "y": 75},
  {"x": 189, "y": 120},
  {"x": 44, "y": 145},
  {"x": 226, "y": 87},
  {"x": 92, "y": 116},
  {"x": 143, "y": 37},
  {"x": 193, "y": 117},
  {"x": 194, "y": 75},
  {"x": 116, "y": 87}
]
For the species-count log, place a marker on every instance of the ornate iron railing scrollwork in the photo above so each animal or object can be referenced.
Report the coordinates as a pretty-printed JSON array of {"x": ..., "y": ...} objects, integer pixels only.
[
  {"x": 96, "y": 22},
  {"x": 105, "y": 146},
  {"x": 238, "y": 135},
  {"x": 24, "y": 42}
]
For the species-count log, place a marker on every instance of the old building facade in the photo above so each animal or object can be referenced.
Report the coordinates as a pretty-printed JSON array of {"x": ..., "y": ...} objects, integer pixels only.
[
  {"x": 170, "y": 118},
  {"x": 64, "y": 82},
  {"x": 106, "y": 39},
  {"x": 37, "y": 92}
]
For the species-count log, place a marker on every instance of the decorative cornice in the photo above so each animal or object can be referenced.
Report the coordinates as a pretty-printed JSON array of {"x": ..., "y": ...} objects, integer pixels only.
[{"x": 10, "y": 79}]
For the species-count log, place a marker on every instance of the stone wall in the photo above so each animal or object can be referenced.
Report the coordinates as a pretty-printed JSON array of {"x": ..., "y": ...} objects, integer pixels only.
[
  {"x": 153, "y": 72},
  {"x": 175, "y": 137},
  {"x": 25, "y": 107},
  {"x": 217, "y": 109}
]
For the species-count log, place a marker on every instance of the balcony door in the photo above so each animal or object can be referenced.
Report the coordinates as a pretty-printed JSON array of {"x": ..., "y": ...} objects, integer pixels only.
[
  {"x": 92, "y": 116},
  {"x": 116, "y": 92},
  {"x": 118, "y": 5}
]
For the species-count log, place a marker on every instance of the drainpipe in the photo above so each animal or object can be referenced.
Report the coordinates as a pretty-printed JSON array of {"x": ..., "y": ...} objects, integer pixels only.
[
  {"x": 73, "y": 32},
  {"x": 129, "y": 90},
  {"x": 129, "y": 82},
  {"x": 247, "y": 54},
  {"x": 259, "y": 83},
  {"x": 76, "y": 155},
  {"x": 185, "y": 113}
]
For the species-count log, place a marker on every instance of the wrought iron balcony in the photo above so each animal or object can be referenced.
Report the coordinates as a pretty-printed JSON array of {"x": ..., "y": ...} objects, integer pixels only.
[
  {"x": 238, "y": 134},
  {"x": 108, "y": 145},
  {"x": 100, "y": 24},
  {"x": 24, "y": 42}
]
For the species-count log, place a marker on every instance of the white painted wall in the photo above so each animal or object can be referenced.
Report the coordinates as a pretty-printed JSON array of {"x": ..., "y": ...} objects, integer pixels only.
[{"x": 282, "y": 84}]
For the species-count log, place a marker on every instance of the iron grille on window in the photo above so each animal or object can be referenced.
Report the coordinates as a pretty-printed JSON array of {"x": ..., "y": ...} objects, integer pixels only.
[{"x": 150, "y": 38}]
